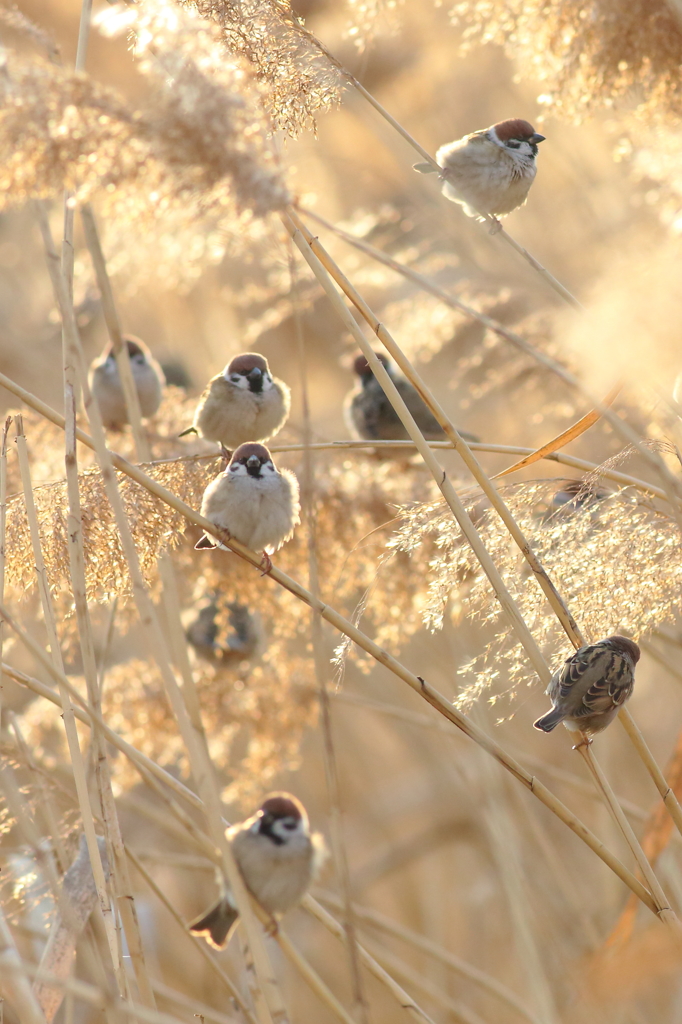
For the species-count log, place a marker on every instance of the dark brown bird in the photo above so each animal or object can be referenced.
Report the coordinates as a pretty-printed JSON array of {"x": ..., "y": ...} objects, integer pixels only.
[
  {"x": 591, "y": 686},
  {"x": 371, "y": 416}
]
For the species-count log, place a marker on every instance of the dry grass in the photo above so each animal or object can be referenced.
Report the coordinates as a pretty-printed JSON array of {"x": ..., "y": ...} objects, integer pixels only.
[{"x": 150, "y": 691}]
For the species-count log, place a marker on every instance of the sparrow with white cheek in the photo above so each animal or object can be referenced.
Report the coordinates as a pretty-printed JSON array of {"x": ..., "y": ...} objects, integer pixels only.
[
  {"x": 253, "y": 501},
  {"x": 591, "y": 686},
  {"x": 278, "y": 858},
  {"x": 490, "y": 171},
  {"x": 105, "y": 383},
  {"x": 371, "y": 416},
  {"x": 243, "y": 403}
]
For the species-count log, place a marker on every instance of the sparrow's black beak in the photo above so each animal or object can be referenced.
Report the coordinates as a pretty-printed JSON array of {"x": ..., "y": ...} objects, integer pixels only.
[
  {"x": 253, "y": 465},
  {"x": 255, "y": 379},
  {"x": 537, "y": 138}
]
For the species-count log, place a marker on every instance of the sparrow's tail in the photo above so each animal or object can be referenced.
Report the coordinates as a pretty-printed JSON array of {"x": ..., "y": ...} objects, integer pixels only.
[
  {"x": 190, "y": 430},
  {"x": 425, "y": 168},
  {"x": 205, "y": 542},
  {"x": 550, "y": 720},
  {"x": 217, "y": 924}
]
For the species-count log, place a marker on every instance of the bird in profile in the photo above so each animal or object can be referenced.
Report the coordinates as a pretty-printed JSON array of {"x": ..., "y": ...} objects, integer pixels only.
[
  {"x": 253, "y": 501},
  {"x": 278, "y": 858},
  {"x": 243, "y": 402},
  {"x": 106, "y": 388},
  {"x": 489, "y": 172},
  {"x": 371, "y": 416},
  {"x": 591, "y": 686}
]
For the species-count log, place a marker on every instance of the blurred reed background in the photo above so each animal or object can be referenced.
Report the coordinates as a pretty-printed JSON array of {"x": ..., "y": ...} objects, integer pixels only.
[{"x": 197, "y": 132}]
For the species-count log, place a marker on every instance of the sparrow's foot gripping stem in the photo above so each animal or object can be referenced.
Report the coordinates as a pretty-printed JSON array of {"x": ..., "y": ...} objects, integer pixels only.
[
  {"x": 271, "y": 927},
  {"x": 266, "y": 564},
  {"x": 585, "y": 741},
  {"x": 495, "y": 226}
]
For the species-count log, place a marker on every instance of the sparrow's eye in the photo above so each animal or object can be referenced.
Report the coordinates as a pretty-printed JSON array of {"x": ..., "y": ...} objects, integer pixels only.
[
  {"x": 235, "y": 378},
  {"x": 513, "y": 143},
  {"x": 289, "y": 824}
]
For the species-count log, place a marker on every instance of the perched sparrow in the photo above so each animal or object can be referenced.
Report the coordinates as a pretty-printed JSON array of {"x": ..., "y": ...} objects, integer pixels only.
[
  {"x": 573, "y": 496},
  {"x": 243, "y": 403},
  {"x": 489, "y": 171},
  {"x": 255, "y": 502},
  {"x": 591, "y": 686},
  {"x": 239, "y": 645},
  {"x": 105, "y": 383},
  {"x": 278, "y": 859},
  {"x": 370, "y": 414}
]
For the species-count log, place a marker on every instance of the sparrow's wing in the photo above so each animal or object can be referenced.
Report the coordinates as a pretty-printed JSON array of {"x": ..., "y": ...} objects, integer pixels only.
[
  {"x": 612, "y": 688},
  {"x": 594, "y": 681},
  {"x": 425, "y": 420}
]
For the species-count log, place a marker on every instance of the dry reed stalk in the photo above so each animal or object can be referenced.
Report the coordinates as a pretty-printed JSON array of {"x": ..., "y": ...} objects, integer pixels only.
[
  {"x": 472, "y": 464},
  {"x": 375, "y": 651},
  {"x": 312, "y": 978},
  {"x": 195, "y": 940},
  {"x": 3, "y": 520},
  {"x": 484, "y": 981},
  {"x": 667, "y": 791},
  {"x": 476, "y": 446},
  {"x": 122, "y": 889},
  {"x": 333, "y": 926},
  {"x": 303, "y": 240},
  {"x": 14, "y": 984},
  {"x": 457, "y": 1011},
  {"x": 44, "y": 802},
  {"x": 664, "y": 911},
  {"x": 78, "y": 900},
  {"x": 321, "y": 663},
  {"x": 77, "y": 763},
  {"x": 504, "y": 847},
  {"x": 427, "y": 285},
  {"x": 270, "y": 1005},
  {"x": 199, "y": 1011},
  {"x": 320, "y": 262}
]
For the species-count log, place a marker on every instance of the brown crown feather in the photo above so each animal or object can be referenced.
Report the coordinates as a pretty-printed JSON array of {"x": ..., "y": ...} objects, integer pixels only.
[
  {"x": 248, "y": 361},
  {"x": 283, "y": 805},
  {"x": 361, "y": 366},
  {"x": 513, "y": 128},
  {"x": 245, "y": 451}
]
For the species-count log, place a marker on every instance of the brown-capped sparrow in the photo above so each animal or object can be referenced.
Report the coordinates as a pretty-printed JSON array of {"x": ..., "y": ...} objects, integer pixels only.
[
  {"x": 242, "y": 403},
  {"x": 371, "y": 416},
  {"x": 278, "y": 858},
  {"x": 489, "y": 172},
  {"x": 591, "y": 686},
  {"x": 105, "y": 383},
  {"x": 253, "y": 501}
]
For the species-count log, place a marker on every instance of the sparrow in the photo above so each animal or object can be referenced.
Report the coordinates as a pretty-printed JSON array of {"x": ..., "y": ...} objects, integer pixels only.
[
  {"x": 278, "y": 858},
  {"x": 253, "y": 501},
  {"x": 238, "y": 646},
  {"x": 371, "y": 416},
  {"x": 573, "y": 496},
  {"x": 242, "y": 403},
  {"x": 489, "y": 172},
  {"x": 591, "y": 686},
  {"x": 105, "y": 383}
]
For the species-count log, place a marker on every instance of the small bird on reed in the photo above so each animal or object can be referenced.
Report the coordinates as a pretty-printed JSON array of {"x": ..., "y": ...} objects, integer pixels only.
[
  {"x": 591, "y": 686},
  {"x": 278, "y": 858},
  {"x": 489, "y": 172},
  {"x": 106, "y": 388},
  {"x": 371, "y": 416},
  {"x": 242, "y": 403},
  {"x": 253, "y": 501}
]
